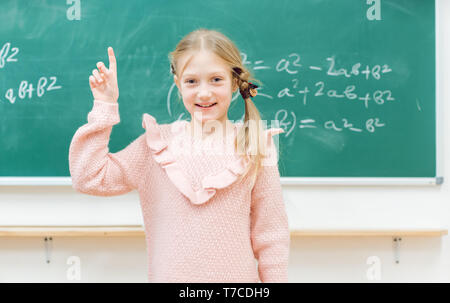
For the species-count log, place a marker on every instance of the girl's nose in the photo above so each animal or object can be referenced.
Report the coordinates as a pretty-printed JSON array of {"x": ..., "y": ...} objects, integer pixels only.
[{"x": 204, "y": 93}]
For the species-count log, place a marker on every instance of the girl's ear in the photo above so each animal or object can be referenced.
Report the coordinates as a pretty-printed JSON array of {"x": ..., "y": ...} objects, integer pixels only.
[
  {"x": 175, "y": 79},
  {"x": 235, "y": 85}
]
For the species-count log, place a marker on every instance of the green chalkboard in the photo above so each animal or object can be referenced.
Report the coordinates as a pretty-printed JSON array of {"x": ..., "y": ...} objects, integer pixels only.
[{"x": 353, "y": 84}]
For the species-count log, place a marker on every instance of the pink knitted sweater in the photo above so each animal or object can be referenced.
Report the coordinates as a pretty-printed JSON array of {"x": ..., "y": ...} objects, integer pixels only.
[{"x": 200, "y": 224}]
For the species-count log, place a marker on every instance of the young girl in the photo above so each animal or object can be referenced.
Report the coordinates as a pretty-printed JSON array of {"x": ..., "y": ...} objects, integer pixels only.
[{"x": 209, "y": 215}]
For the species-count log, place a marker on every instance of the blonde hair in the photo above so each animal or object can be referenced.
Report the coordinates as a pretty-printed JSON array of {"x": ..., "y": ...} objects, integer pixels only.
[{"x": 248, "y": 140}]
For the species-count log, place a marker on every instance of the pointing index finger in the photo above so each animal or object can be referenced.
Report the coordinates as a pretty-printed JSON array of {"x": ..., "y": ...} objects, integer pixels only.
[{"x": 112, "y": 60}]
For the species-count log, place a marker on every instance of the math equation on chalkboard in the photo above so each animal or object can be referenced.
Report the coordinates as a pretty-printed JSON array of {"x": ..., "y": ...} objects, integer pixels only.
[
  {"x": 25, "y": 89},
  {"x": 301, "y": 94}
]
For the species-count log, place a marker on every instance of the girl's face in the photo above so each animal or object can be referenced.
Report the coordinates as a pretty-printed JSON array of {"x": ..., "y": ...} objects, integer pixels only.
[{"x": 206, "y": 81}]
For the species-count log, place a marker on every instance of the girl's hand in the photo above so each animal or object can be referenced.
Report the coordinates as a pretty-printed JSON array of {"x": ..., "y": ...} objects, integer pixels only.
[{"x": 103, "y": 82}]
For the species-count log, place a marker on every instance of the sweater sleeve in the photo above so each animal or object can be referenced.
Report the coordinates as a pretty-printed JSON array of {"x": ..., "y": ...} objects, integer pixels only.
[
  {"x": 93, "y": 169},
  {"x": 269, "y": 225}
]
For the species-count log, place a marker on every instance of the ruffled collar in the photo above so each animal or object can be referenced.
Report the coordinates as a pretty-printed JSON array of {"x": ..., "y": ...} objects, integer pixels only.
[{"x": 162, "y": 154}]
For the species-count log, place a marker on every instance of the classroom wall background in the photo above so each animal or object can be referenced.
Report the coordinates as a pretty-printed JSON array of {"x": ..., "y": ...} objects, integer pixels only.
[{"x": 312, "y": 259}]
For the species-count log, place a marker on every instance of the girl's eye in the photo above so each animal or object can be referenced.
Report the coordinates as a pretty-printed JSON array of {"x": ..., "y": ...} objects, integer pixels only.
[{"x": 192, "y": 81}]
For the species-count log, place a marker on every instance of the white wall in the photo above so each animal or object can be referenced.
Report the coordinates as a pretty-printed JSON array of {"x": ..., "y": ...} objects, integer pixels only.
[{"x": 312, "y": 259}]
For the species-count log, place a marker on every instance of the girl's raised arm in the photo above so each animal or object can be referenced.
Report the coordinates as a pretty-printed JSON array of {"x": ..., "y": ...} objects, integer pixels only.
[{"x": 94, "y": 170}]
